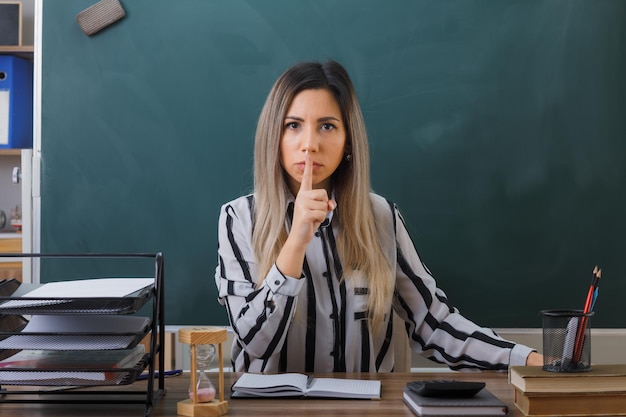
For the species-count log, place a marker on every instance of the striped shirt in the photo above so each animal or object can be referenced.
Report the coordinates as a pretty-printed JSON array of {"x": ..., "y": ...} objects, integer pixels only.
[{"x": 319, "y": 323}]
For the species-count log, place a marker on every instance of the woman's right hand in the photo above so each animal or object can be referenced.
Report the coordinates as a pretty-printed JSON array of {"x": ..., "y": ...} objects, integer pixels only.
[
  {"x": 310, "y": 210},
  {"x": 311, "y": 207}
]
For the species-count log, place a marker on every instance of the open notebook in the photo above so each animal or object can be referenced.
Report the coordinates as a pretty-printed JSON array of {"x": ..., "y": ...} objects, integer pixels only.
[{"x": 300, "y": 385}]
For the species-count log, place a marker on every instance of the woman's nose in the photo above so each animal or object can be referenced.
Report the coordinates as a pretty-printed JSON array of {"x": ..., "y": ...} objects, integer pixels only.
[{"x": 310, "y": 140}]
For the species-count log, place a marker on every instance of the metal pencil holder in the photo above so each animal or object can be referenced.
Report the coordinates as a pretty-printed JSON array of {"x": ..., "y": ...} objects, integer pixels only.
[{"x": 566, "y": 341}]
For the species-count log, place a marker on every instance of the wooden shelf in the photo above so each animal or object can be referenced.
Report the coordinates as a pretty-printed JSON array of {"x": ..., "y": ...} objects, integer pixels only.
[
  {"x": 10, "y": 49},
  {"x": 24, "y": 51},
  {"x": 10, "y": 152}
]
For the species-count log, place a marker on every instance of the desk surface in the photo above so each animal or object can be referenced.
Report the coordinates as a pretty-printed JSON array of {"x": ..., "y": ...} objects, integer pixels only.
[{"x": 391, "y": 403}]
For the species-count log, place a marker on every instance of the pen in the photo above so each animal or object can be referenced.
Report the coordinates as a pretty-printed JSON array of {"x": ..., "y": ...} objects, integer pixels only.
[{"x": 166, "y": 374}]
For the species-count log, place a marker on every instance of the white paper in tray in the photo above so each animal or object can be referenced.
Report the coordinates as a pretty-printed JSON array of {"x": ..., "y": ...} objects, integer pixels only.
[{"x": 64, "y": 291}]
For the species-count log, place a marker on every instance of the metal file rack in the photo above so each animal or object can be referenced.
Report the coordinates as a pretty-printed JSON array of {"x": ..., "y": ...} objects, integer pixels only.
[{"x": 65, "y": 390}]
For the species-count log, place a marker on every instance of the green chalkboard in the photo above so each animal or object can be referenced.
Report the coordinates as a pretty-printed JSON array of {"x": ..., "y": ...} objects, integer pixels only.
[{"x": 497, "y": 126}]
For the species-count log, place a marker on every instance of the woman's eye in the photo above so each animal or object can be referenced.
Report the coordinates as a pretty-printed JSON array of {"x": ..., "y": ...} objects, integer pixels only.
[
  {"x": 328, "y": 126},
  {"x": 291, "y": 125}
]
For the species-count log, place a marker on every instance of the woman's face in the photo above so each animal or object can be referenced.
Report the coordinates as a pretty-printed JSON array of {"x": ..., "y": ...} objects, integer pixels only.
[{"x": 313, "y": 123}]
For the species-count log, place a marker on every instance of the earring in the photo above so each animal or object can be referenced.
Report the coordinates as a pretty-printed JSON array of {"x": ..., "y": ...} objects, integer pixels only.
[{"x": 348, "y": 157}]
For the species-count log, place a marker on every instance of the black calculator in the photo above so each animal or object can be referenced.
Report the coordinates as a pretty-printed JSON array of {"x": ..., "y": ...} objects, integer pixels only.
[{"x": 446, "y": 388}]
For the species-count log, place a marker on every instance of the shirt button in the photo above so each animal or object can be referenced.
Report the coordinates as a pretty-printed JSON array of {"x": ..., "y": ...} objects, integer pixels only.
[
  {"x": 317, "y": 234},
  {"x": 277, "y": 282}
]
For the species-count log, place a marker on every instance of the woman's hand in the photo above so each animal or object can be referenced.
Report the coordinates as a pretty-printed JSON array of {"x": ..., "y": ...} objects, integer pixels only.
[
  {"x": 534, "y": 359},
  {"x": 311, "y": 207},
  {"x": 310, "y": 210}
]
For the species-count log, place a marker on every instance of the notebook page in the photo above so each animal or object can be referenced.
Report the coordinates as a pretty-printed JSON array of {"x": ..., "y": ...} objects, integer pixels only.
[
  {"x": 353, "y": 388},
  {"x": 264, "y": 382}
]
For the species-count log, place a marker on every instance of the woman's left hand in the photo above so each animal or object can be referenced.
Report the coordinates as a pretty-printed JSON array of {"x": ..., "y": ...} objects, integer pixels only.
[{"x": 534, "y": 359}]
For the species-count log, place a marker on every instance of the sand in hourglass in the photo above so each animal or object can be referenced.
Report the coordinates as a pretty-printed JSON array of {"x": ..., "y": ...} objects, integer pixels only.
[
  {"x": 204, "y": 388},
  {"x": 204, "y": 395}
]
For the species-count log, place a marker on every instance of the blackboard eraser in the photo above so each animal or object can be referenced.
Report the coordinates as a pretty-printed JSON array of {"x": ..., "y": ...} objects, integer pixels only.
[{"x": 99, "y": 16}]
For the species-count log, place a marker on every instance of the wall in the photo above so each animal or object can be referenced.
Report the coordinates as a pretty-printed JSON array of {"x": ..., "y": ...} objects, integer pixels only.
[{"x": 606, "y": 347}]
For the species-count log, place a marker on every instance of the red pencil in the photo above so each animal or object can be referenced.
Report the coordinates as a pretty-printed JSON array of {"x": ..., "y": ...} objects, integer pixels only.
[
  {"x": 592, "y": 288},
  {"x": 582, "y": 325}
]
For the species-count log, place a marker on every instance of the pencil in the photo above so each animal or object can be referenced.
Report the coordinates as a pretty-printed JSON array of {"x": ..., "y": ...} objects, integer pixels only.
[
  {"x": 582, "y": 327},
  {"x": 591, "y": 290}
]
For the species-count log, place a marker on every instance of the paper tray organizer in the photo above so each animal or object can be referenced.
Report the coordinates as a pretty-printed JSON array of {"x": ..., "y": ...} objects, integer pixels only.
[
  {"x": 14, "y": 333},
  {"x": 88, "y": 309}
]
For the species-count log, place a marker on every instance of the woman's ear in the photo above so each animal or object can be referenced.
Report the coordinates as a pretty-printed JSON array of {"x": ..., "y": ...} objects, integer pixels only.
[{"x": 347, "y": 149}]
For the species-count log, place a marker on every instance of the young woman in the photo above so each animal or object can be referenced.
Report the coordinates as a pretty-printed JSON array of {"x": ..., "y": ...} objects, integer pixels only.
[{"x": 312, "y": 265}]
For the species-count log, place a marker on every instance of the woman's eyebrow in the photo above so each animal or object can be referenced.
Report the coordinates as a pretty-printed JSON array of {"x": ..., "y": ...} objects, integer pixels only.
[
  {"x": 321, "y": 119},
  {"x": 327, "y": 118}
]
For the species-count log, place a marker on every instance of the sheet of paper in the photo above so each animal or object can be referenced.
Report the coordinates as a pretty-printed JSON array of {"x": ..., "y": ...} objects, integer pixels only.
[
  {"x": 64, "y": 378},
  {"x": 56, "y": 292},
  {"x": 86, "y": 288},
  {"x": 257, "y": 381},
  {"x": 363, "y": 388}
]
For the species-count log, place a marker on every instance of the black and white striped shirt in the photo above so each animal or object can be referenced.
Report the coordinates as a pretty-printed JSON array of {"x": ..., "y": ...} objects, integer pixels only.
[{"x": 319, "y": 323}]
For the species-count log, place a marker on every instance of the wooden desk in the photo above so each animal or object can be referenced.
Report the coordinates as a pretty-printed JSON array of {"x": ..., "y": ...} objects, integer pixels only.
[{"x": 391, "y": 403}]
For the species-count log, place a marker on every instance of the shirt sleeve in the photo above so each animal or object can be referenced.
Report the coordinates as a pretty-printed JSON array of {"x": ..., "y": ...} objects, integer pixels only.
[
  {"x": 260, "y": 316},
  {"x": 437, "y": 330}
]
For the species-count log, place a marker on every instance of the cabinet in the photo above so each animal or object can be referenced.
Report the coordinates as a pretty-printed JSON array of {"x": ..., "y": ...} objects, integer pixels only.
[
  {"x": 10, "y": 243},
  {"x": 10, "y": 195},
  {"x": 80, "y": 322},
  {"x": 10, "y": 268}
]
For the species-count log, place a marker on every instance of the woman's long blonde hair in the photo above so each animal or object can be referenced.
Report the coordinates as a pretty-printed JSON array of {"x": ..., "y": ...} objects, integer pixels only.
[{"x": 358, "y": 243}]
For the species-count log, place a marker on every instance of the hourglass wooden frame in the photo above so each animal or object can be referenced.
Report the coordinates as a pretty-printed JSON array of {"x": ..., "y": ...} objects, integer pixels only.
[{"x": 203, "y": 336}]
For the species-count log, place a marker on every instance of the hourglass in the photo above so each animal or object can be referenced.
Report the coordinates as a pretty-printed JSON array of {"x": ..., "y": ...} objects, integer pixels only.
[
  {"x": 202, "y": 401},
  {"x": 205, "y": 391}
]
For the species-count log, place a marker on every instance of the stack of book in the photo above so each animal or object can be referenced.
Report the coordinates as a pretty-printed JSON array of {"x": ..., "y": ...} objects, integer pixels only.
[
  {"x": 599, "y": 392},
  {"x": 452, "y": 398}
]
